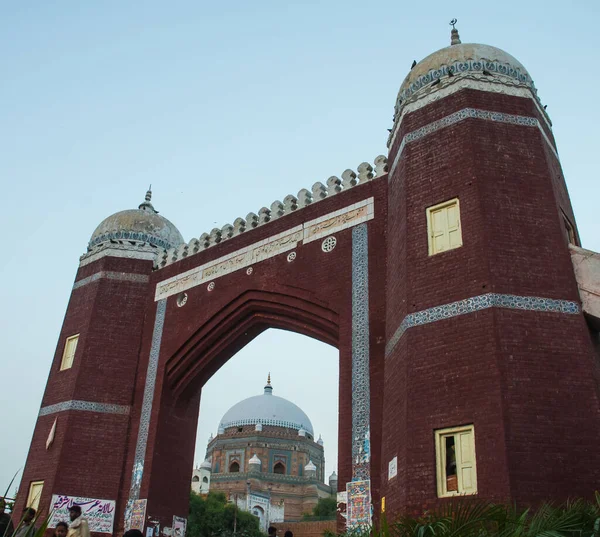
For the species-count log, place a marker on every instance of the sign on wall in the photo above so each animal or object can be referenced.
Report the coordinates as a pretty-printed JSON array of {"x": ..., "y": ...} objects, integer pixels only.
[
  {"x": 393, "y": 468},
  {"x": 179, "y": 526},
  {"x": 359, "y": 503},
  {"x": 100, "y": 514},
  {"x": 138, "y": 515}
]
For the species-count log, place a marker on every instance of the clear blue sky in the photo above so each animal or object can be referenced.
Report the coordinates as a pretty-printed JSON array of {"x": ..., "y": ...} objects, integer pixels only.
[{"x": 225, "y": 107}]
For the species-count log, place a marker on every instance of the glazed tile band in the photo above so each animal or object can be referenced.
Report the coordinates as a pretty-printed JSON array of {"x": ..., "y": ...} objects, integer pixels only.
[
  {"x": 469, "y": 113},
  {"x": 361, "y": 394},
  {"x": 142, "y": 439},
  {"x": 88, "y": 406},
  {"x": 478, "y": 303}
]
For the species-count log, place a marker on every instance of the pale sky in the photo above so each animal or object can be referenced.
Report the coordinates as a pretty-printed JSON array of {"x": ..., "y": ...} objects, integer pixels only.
[{"x": 224, "y": 107}]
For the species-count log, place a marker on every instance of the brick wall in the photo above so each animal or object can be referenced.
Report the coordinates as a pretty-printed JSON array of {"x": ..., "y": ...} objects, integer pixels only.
[{"x": 306, "y": 529}]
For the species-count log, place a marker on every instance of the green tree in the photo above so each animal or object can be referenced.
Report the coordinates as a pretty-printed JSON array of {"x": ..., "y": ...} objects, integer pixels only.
[
  {"x": 325, "y": 508},
  {"x": 213, "y": 516}
]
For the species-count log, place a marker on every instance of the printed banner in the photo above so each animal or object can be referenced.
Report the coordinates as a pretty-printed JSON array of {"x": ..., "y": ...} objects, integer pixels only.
[
  {"x": 137, "y": 517},
  {"x": 179, "y": 526},
  {"x": 359, "y": 503},
  {"x": 100, "y": 514}
]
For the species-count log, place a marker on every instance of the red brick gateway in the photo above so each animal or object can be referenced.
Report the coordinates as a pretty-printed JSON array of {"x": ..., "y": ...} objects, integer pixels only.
[{"x": 442, "y": 274}]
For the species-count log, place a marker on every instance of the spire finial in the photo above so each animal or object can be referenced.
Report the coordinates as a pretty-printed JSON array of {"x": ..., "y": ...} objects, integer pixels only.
[
  {"x": 454, "y": 37},
  {"x": 146, "y": 205},
  {"x": 268, "y": 387}
]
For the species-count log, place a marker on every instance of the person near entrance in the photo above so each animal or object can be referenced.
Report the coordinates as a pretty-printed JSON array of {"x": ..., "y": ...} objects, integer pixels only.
[
  {"x": 26, "y": 527},
  {"x": 272, "y": 531},
  {"x": 79, "y": 525},
  {"x": 61, "y": 530},
  {"x": 6, "y": 525}
]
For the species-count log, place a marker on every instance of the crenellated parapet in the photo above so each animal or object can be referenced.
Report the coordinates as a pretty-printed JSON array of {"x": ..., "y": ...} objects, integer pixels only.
[{"x": 278, "y": 209}]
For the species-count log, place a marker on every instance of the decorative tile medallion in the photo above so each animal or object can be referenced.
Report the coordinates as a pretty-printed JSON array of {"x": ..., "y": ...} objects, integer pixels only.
[
  {"x": 140, "y": 448},
  {"x": 328, "y": 244},
  {"x": 468, "y": 113},
  {"x": 361, "y": 450},
  {"x": 88, "y": 406},
  {"x": 477, "y": 303},
  {"x": 109, "y": 275}
]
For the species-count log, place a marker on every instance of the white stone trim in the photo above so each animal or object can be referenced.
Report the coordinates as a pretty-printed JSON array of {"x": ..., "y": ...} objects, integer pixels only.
[
  {"x": 339, "y": 220},
  {"x": 115, "y": 251},
  {"x": 111, "y": 275},
  {"x": 285, "y": 241}
]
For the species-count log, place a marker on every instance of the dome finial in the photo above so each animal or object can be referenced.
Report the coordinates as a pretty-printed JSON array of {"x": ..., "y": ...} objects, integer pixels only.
[
  {"x": 146, "y": 205},
  {"x": 268, "y": 387},
  {"x": 454, "y": 37}
]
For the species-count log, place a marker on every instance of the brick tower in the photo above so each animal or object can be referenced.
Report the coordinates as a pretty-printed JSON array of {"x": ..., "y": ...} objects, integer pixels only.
[
  {"x": 81, "y": 436},
  {"x": 489, "y": 383}
]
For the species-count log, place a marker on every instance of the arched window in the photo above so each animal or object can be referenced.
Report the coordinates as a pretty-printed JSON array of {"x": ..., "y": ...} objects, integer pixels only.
[
  {"x": 234, "y": 467},
  {"x": 195, "y": 479},
  {"x": 205, "y": 479},
  {"x": 279, "y": 468}
]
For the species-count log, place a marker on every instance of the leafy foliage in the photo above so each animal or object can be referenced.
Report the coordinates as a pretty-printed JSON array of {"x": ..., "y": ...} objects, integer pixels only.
[
  {"x": 467, "y": 518},
  {"x": 325, "y": 509},
  {"x": 213, "y": 516}
]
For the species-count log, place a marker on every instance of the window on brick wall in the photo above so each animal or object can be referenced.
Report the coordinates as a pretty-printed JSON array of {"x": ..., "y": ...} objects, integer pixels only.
[
  {"x": 35, "y": 491},
  {"x": 234, "y": 467},
  {"x": 443, "y": 226},
  {"x": 455, "y": 461},
  {"x": 569, "y": 230},
  {"x": 69, "y": 352}
]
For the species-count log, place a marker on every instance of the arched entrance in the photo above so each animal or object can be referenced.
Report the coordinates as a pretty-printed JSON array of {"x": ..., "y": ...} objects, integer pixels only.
[{"x": 324, "y": 291}]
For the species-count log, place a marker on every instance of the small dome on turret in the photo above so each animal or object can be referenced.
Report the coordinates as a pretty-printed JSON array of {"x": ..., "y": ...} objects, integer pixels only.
[
  {"x": 333, "y": 478},
  {"x": 254, "y": 460},
  {"x": 320, "y": 441},
  {"x": 141, "y": 225},
  {"x": 206, "y": 464},
  {"x": 471, "y": 64}
]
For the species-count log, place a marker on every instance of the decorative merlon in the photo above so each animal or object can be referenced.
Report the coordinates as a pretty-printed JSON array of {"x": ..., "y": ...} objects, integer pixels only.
[{"x": 278, "y": 209}]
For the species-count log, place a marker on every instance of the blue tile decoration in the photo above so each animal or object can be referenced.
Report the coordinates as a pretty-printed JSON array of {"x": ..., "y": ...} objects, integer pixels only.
[
  {"x": 469, "y": 113},
  {"x": 361, "y": 454},
  {"x": 87, "y": 406},
  {"x": 473, "y": 66},
  {"x": 110, "y": 275},
  {"x": 140, "y": 448},
  {"x": 478, "y": 303},
  {"x": 131, "y": 236}
]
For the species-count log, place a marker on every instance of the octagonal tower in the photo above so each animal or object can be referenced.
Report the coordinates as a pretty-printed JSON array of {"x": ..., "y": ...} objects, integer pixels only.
[
  {"x": 489, "y": 364},
  {"x": 84, "y": 420}
]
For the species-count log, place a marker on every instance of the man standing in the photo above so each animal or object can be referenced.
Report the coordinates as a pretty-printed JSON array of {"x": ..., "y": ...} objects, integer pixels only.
[
  {"x": 79, "y": 525},
  {"x": 6, "y": 525},
  {"x": 26, "y": 527}
]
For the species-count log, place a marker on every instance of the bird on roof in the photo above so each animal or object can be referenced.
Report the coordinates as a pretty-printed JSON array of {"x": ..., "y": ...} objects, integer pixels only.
[{"x": 413, "y": 63}]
